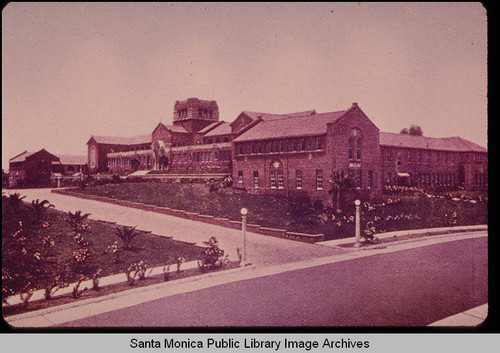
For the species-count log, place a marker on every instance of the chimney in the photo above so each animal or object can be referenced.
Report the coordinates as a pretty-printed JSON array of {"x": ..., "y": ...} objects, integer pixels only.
[{"x": 355, "y": 104}]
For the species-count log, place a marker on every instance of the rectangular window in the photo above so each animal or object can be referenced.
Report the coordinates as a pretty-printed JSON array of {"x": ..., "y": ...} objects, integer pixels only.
[
  {"x": 240, "y": 177},
  {"x": 92, "y": 157},
  {"x": 357, "y": 178},
  {"x": 319, "y": 179},
  {"x": 319, "y": 143},
  {"x": 298, "y": 179},
  {"x": 370, "y": 179},
  {"x": 256, "y": 179},
  {"x": 428, "y": 158},
  {"x": 272, "y": 176},
  {"x": 280, "y": 178},
  {"x": 409, "y": 157},
  {"x": 240, "y": 149},
  {"x": 419, "y": 157},
  {"x": 388, "y": 157}
]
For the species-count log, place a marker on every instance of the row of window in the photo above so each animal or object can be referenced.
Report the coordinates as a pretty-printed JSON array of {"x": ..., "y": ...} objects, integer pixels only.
[
  {"x": 281, "y": 146},
  {"x": 422, "y": 157},
  {"x": 480, "y": 179},
  {"x": 276, "y": 180},
  {"x": 143, "y": 160},
  {"x": 480, "y": 157},
  {"x": 428, "y": 179},
  {"x": 217, "y": 140},
  {"x": 201, "y": 157}
]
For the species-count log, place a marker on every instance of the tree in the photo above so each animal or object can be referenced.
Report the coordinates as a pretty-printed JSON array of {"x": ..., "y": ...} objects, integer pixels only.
[
  {"x": 416, "y": 130},
  {"x": 339, "y": 184}
]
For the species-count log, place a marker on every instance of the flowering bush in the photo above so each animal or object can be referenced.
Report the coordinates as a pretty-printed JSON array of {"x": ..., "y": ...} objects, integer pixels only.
[
  {"x": 213, "y": 256},
  {"x": 136, "y": 272}
]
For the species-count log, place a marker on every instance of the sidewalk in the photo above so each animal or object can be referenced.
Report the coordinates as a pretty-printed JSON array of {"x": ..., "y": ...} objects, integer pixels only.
[{"x": 472, "y": 317}]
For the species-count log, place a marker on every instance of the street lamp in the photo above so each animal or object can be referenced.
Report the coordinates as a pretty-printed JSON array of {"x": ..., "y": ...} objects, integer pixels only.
[
  {"x": 357, "y": 244},
  {"x": 244, "y": 212}
]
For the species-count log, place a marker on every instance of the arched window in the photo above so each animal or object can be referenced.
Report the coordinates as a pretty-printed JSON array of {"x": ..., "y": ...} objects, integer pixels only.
[{"x": 355, "y": 145}]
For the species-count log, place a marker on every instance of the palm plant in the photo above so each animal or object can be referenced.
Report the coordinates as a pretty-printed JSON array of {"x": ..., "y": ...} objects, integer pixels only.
[
  {"x": 39, "y": 209},
  {"x": 126, "y": 234},
  {"x": 76, "y": 220}
]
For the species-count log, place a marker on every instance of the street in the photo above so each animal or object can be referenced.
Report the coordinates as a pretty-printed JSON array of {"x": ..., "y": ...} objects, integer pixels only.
[{"x": 413, "y": 287}]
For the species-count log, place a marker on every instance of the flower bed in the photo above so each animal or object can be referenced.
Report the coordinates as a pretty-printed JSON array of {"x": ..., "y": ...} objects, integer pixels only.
[{"x": 45, "y": 249}]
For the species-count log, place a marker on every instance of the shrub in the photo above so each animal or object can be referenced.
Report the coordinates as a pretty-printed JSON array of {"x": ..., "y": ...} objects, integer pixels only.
[
  {"x": 213, "y": 256},
  {"x": 39, "y": 209},
  {"x": 126, "y": 234},
  {"x": 76, "y": 220},
  {"x": 136, "y": 272}
]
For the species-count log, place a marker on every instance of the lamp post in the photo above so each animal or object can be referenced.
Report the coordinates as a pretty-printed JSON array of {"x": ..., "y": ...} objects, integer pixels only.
[
  {"x": 244, "y": 212},
  {"x": 357, "y": 243}
]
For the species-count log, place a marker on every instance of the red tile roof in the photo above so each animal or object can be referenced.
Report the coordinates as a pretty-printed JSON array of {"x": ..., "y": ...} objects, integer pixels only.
[
  {"x": 72, "y": 159},
  {"x": 222, "y": 129},
  {"x": 210, "y": 127},
  {"x": 113, "y": 140},
  {"x": 456, "y": 144},
  {"x": 20, "y": 157},
  {"x": 175, "y": 128},
  {"x": 291, "y": 126},
  {"x": 267, "y": 116}
]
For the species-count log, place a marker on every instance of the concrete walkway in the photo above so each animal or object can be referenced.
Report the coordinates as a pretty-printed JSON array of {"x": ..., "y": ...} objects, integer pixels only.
[{"x": 472, "y": 317}]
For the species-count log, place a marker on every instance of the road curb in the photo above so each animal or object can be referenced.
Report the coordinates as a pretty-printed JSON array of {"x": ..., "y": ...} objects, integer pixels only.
[{"x": 133, "y": 291}]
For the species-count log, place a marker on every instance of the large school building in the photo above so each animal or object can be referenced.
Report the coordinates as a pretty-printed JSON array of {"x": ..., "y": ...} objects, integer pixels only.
[{"x": 293, "y": 153}]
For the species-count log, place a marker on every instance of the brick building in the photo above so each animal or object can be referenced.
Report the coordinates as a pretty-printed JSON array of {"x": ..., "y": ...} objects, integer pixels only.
[
  {"x": 37, "y": 168},
  {"x": 434, "y": 163},
  {"x": 294, "y": 153}
]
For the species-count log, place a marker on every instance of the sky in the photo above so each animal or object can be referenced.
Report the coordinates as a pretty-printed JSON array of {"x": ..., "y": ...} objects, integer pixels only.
[{"x": 72, "y": 70}]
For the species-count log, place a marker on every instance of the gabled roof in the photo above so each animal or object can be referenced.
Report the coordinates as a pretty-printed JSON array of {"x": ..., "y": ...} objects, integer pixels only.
[
  {"x": 210, "y": 127},
  {"x": 172, "y": 128},
  {"x": 291, "y": 126},
  {"x": 268, "y": 116},
  {"x": 25, "y": 155},
  {"x": 456, "y": 144},
  {"x": 20, "y": 157},
  {"x": 222, "y": 129},
  {"x": 72, "y": 159},
  {"x": 114, "y": 140}
]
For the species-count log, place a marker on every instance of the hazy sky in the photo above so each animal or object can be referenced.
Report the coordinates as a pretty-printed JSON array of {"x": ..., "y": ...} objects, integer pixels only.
[{"x": 70, "y": 70}]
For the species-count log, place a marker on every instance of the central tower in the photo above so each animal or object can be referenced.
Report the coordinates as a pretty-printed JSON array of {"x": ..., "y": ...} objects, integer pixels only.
[{"x": 194, "y": 114}]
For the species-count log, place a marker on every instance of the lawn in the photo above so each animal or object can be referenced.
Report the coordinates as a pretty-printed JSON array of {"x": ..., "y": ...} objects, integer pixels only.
[
  {"x": 41, "y": 249},
  {"x": 399, "y": 208}
]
